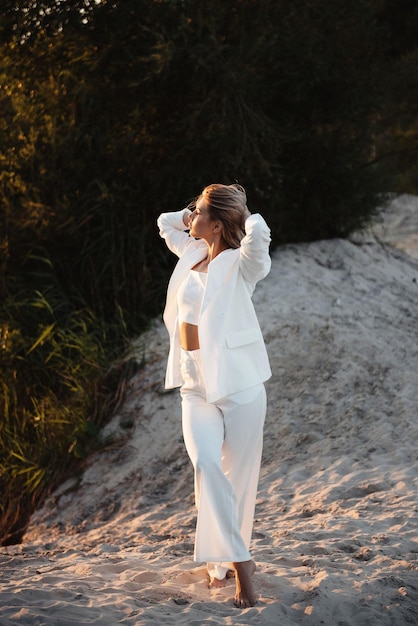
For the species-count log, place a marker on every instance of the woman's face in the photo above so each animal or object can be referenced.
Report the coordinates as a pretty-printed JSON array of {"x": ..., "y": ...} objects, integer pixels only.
[{"x": 201, "y": 224}]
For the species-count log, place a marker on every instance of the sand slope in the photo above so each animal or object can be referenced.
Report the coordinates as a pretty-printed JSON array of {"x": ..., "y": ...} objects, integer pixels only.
[{"x": 336, "y": 531}]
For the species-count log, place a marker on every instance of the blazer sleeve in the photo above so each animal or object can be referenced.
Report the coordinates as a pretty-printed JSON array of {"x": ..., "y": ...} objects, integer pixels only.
[
  {"x": 173, "y": 230},
  {"x": 255, "y": 262}
]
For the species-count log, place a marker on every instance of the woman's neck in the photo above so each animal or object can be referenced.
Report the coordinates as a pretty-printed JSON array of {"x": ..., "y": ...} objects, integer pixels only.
[{"x": 215, "y": 248}]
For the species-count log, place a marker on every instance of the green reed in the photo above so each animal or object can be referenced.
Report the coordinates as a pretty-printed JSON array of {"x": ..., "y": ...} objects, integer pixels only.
[{"x": 56, "y": 388}]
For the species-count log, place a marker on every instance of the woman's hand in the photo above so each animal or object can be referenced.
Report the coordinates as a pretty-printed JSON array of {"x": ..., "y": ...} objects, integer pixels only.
[
  {"x": 245, "y": 215},
  {"x": 186, "y": 218}
]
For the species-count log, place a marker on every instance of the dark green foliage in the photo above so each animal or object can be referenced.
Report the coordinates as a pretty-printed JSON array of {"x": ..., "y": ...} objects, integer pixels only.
[
  {"x": 56, "y": 389},
  {"x": 114, "y": 112},
  {"x": 398, "y": 139}
]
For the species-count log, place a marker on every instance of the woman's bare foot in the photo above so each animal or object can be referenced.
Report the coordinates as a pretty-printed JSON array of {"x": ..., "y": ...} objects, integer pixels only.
[
  {"x": 244, "y": 593},
  {"x": 216, "y": 583}
]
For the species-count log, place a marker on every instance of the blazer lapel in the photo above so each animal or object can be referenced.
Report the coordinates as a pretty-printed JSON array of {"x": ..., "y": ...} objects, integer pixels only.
[{"x": 218, "y": 273}]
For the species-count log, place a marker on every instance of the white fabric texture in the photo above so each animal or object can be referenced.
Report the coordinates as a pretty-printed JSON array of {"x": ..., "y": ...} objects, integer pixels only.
[
  {"x": 234, "y": 356},
  {"x": 224, "y": 442},
  {"x": 190, "y": 296}
]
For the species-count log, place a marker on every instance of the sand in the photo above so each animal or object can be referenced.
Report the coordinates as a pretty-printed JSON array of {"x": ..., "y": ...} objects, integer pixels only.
[{"x": 336, "y": 529}]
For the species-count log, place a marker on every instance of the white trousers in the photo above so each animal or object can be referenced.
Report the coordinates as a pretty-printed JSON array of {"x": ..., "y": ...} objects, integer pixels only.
[{"x": 224, "y": 442}]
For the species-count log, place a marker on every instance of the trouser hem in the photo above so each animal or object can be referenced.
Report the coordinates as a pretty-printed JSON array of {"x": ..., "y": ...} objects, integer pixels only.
[{"x": 224, "y": 559}]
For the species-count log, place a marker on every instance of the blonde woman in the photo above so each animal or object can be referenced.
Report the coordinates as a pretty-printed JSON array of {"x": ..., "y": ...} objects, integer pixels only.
[{"x": 218, "y": 359}]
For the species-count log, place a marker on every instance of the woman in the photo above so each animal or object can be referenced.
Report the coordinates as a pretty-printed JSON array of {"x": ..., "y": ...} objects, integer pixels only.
[{"x": 218, "y": 358}]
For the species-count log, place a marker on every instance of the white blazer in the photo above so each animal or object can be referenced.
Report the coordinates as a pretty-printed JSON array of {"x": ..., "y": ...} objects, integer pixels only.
[{"x": 232, "y": 348}]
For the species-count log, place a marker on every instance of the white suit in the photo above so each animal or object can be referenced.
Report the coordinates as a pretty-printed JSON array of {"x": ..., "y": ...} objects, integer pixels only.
[
  {"x": 223, "y": 398},
  {"x": 234, "y": 356}
]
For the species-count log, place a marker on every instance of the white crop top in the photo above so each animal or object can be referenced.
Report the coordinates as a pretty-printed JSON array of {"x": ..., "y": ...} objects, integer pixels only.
[{"x": 190, "y": 296}]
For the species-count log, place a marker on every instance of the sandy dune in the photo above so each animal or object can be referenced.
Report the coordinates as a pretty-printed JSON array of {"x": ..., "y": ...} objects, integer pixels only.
[{"x": 336, "y": 531}]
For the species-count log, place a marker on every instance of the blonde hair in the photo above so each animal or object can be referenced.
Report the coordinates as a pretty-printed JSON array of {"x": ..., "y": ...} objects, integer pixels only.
[{"x": 227, "y": 204}]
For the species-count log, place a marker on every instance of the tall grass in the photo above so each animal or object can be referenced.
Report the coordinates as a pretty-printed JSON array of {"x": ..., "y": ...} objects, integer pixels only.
[{"x": 55, "y": 391}]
